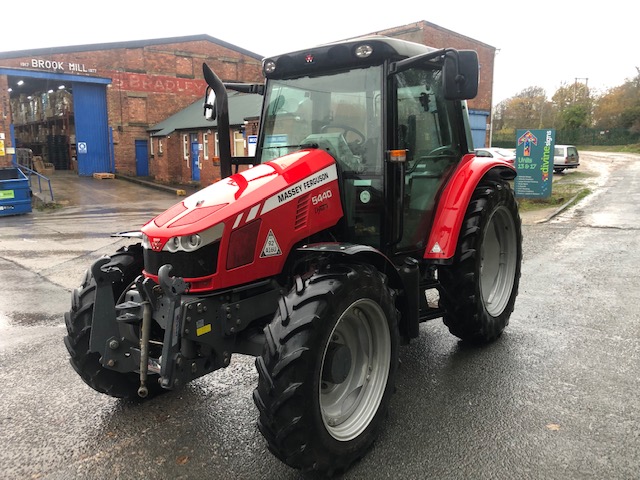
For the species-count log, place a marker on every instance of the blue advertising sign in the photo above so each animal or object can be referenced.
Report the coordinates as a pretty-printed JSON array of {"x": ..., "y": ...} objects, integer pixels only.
[{"x": 534, "y": 163}]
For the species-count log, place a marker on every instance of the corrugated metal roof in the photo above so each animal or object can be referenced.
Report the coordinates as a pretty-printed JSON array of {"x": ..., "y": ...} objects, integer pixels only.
[
  {"x": 127, "y": 44},
  {"x": 241, "y": 106}
]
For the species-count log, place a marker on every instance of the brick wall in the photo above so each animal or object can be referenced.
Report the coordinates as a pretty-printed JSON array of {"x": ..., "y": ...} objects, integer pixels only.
[{"x": 150, "y": 82}]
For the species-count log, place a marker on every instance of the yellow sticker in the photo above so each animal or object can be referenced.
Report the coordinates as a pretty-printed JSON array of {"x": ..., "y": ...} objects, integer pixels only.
[{"x": 203, "y": 330}]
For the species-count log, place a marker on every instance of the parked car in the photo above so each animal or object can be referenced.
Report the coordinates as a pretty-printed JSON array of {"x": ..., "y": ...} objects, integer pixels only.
[
  {"x": 493, "y": 152},
  {"x": 565, "y": 156}
]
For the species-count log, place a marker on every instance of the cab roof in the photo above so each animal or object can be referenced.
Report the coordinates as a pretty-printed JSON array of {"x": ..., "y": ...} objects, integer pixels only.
[{"x": 341, "y": 55}]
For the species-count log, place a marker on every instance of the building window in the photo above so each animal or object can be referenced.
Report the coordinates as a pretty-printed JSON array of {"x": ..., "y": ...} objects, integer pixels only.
[
  {"x": 185, "y": 146},
  {"x": 151, "y": 146},
  {"x": 238, "y": 144},
  {"x": 160, "y": 146},
  {"x": 205, "y": 141},
  {"x": 217, "y": 147}
]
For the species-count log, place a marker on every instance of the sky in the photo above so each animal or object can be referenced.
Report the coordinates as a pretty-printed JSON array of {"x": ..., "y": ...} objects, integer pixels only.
[{"x": 545, "y": 44}]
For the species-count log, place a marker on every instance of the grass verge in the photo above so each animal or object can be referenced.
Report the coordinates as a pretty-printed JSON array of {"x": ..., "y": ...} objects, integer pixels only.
[
  {"x": 566, "y": 187},
  {"x": 633, "y": 148}
]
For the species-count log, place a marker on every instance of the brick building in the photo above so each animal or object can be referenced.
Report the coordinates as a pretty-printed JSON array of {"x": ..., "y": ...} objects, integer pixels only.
[
  {"x": 184, "y": 148},
  {"x": 95, "y": 107},
  {"x": 89, "y": 107}
]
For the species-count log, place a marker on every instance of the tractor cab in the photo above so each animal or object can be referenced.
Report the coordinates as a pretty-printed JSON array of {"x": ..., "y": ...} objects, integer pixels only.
[{"x": 388, "y": 112}]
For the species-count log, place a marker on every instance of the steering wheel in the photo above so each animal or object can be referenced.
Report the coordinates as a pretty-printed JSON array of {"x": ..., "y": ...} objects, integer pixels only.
[
  {"x": 345, "y": 129},
  {"x": 444, "y": 151},
  {"x": 434, "y": 157}
]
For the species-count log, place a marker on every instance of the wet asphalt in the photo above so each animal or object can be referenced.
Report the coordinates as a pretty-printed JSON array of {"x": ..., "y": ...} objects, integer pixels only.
[{"x": 555, "y": 397}]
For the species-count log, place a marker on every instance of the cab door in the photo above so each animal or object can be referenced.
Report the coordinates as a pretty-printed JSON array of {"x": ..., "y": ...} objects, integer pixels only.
[{"x": 423, "y": 130}]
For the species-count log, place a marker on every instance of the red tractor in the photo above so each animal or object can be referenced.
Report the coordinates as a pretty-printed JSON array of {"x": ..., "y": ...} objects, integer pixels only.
[{"x": 365, "y": 214}]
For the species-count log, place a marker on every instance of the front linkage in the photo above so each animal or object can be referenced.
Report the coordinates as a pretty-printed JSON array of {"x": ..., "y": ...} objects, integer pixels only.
[{"x": 194, "y": 335}]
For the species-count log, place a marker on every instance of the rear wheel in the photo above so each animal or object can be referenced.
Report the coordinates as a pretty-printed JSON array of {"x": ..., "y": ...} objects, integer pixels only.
[
  {"x": 78, "y": 322},
  {"x": 328, "y": 369},
  {"x": 481, "y": 285}
]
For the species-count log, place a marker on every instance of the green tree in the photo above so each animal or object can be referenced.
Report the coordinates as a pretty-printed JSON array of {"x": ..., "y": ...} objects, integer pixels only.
[
  {"x": 573, "y": 117},
  {"x": 572, "y": 106}
]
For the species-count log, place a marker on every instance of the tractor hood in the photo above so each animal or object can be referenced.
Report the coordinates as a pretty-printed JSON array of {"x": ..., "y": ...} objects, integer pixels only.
[{"x": 239, "y": 198}]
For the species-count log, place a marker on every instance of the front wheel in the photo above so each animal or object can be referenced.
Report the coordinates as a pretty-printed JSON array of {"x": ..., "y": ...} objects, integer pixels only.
[
  {"x": 481, "y": 285},
  {"x": 328, "y": 369},
  {"x": 78, "y": 321}
]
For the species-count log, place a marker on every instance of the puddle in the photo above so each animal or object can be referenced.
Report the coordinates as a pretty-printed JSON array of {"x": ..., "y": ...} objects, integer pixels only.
[{"x": 20, "y": 319}]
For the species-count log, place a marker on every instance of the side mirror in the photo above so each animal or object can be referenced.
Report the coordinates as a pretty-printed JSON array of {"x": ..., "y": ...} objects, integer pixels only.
[
  {"x": 460, "y": 74},
  {"x": 210, "y": 112}
]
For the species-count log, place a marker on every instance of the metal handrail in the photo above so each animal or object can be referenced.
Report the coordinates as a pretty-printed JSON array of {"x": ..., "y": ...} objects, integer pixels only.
[{"x": 28, "y": 172}]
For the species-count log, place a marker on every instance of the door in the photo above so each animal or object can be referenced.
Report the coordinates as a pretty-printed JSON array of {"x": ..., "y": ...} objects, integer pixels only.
[
  {"x": 425, "y": 132},
  {"x": 142, "y": 158},
  {"x": 92, "y": 128},
  {"x": 195, "y": 158}
]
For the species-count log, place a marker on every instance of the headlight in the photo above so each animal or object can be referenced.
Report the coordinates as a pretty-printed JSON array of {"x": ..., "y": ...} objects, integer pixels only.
[
  {"x": 363, "y": 51},
  {"x": 269, "y": 66},
  {"x": 185, "y": 243},
  {"x": 188, "y": 243},
  {"x": 191, "y": 242},
  {"x": 173, "y": 245}
]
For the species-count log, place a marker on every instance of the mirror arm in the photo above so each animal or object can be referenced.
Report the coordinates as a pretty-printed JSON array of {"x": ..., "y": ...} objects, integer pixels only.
[
  {"x": 246, "y": 87},
  {"x": 402, "y": 65}
]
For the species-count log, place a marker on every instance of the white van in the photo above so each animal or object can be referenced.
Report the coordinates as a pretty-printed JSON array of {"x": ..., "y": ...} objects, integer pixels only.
[{"x": 565, "y": 156}]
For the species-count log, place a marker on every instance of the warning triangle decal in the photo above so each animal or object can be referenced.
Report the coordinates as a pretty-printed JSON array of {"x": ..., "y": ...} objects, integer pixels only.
[
  {"x": 436, "y": 248},
  {"x": 271, "y": 247}
]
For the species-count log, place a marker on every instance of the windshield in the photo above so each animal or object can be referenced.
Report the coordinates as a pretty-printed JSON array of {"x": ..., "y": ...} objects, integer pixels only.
[{"x": 340, "y": 113}]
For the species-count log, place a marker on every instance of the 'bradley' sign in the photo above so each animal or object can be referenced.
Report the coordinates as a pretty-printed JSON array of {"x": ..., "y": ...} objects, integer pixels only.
[{"x": 534, "y": 163}]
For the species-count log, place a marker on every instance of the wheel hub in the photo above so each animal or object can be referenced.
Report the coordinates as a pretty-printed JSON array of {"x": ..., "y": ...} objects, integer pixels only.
[{"x": 337, "y": 363}]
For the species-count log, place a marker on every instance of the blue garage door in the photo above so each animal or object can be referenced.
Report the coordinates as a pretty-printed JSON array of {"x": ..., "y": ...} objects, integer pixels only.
[
  {"x": 478, "y": 123},
  {"x": 92, "y": 130}
]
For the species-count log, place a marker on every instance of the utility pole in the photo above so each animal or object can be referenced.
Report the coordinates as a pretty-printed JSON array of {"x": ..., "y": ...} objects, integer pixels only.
[{"x": 575, "y": 86}]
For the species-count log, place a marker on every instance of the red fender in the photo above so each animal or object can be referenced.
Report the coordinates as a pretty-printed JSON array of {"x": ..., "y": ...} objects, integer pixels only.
[{"x": 453, "y": 204}]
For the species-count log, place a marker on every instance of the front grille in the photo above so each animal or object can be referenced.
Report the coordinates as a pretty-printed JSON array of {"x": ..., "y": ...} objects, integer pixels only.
[{"x": 201, "y": 263}]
